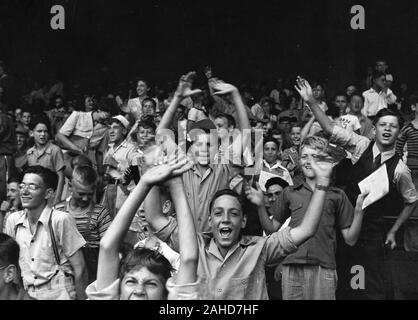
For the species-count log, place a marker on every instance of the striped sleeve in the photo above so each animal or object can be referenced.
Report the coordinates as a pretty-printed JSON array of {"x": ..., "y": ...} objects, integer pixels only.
[
  {"x": 400, "y": 143},
  {"x": 103, "y": 220}
]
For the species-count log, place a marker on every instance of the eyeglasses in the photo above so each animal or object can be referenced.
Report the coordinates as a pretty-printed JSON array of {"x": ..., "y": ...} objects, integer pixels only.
[{"x": 30, "y": 186}]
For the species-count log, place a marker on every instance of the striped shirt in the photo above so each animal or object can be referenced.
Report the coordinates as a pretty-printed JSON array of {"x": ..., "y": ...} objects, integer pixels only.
[
  {"x": 91, "y": 223},
  {"x": 409, "y": 135}
]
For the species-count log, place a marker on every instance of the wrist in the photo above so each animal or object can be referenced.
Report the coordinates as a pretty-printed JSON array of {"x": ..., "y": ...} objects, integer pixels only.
[{"x": 322, "y": 181}]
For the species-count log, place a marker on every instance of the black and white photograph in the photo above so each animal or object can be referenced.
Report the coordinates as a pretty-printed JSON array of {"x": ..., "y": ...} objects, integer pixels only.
[{"x": 224, "y": 152}]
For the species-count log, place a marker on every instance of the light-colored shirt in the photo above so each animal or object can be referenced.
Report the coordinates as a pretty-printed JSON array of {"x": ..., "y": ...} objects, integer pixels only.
[
  {"x": 200, "y": 188},
  {"x": 349, "y": 122},
  {"x": 37, "y": 260},
  {"x": 241, "y": 274},
  {"x": 189, "y": 291},
  {"x": 50, "y": 157},
  {"x": 126, "y": 154},
  {"x": 374, "y": 101},
  {"x": 357, "y": 145}
]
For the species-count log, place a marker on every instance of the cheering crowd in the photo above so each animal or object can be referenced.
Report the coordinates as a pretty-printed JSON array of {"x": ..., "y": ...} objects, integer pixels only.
[{"x": 200, "y": 190}]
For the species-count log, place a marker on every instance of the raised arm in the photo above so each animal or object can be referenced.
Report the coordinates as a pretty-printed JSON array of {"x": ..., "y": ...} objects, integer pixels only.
[
  {"x": 183, "y": 91},
  {"x": 108, "y": 266},
  {"x": 313, "y": 214},
  {"x": 189, "y": 254},
  {"x": 256, "y": 197},
  {"x": 352, "y": 233},
  {"x": 305, "y": 90}
]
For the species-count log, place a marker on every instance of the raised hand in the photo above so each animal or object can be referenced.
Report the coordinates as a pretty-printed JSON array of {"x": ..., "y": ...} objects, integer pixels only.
[
  {"x": 305, "y": 90},
  {"x": 222, "y": 88},
  {"x": 184, "y": 88},
  {"x": 390, "y": 240},
  {"x": 322, "y": 167},
  {"x": 255, "y": 196},
  {"x": 166, "y": 168},
  {"x": 360, "y": 200}
]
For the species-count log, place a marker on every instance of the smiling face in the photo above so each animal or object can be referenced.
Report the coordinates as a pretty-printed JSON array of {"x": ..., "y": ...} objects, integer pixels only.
[
  {"x": 226, "y": 220},
  {"x": 82, "y": 194},
  {"x": 387, "y": 131},
  {"x": 117, "y": 132},
  {"x": 306, "y": 155},
  {"x": 35, "y": 193},
  {"x": 40, "y": 134},
  {"x": 295, "y": 135},
  {"x": 142, "y": 284},
  {"x": 141, "y": 88},
  {"x": 148, "y": 108},
  {"x": 145, "y": 136},
  {"x": 13, "y": 194},
  {"x": 21, "y": 140},
  {"x": 271, "y": 152}
]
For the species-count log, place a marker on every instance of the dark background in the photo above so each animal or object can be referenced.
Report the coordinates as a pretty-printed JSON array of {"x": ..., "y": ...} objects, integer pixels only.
[{"x": 241, "y": 40}]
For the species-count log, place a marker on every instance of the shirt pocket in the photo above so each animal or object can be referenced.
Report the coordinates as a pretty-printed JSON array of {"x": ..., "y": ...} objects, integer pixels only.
[{"x": 237, "y": 289}]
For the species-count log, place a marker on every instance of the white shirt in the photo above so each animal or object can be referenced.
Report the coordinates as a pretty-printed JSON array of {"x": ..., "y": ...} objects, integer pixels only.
[
  {"x": 374, "y": 101},
  {"x": 349, "y": 122}
]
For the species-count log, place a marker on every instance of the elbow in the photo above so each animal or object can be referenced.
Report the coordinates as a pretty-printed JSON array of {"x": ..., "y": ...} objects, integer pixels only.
[
  {"x": 106, "y": 245},
  {"x": 351, "y": 243}
]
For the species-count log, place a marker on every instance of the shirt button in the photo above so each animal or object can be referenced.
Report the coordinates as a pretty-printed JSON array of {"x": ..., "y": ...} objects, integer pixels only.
[
  {"x": 219, "y": 290},
  {"x": 33, "y": 259},
  {"x": 32, "y": 241},
  {"x": 36, "y": 277}
]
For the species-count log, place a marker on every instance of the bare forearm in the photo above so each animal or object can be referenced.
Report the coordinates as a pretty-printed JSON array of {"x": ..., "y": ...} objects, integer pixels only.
[
  {"x": 244, "y": 122},
  {"x": 307, "y": 128},
  {"x": 169, "y": 114},
  {"x": 269, "y": 226},
  {"x": 81, "y": 279},
  {"x": 321, "y": 117},
  {"x": 153, "y": 210},
  {"x": 60, "y": 187},
  {"x": 66, "y": 142},
  {"x": 187, "y": 234},
  {"x": 353, "y": 232},
  {"x": 405, "y": 214},
  {"x": 120, "y": 225}
]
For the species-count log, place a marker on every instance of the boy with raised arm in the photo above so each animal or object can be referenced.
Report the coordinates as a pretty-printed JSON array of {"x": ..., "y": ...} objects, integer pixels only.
[
  {"x": 231, "y": 265},
  {"x": 367, "y": 156},
  {"x": 205, "y": 177}
]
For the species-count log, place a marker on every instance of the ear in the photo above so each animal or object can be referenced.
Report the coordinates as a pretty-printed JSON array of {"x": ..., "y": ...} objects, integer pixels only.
[
  {"x": 49, "y": 193},
  {"x": 167, "y": 205},
  {"x": 244, "y": 221},
  {"x": 10, "y": 274}
]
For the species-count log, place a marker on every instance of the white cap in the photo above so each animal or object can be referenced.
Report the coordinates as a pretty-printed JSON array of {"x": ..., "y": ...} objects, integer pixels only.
[{"x": 122, "y": 120}]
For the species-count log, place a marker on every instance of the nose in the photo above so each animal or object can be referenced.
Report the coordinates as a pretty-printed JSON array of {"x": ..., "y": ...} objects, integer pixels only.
[
  {"x": 139, "y": 290},
  {"x": 226, "y": 217}
]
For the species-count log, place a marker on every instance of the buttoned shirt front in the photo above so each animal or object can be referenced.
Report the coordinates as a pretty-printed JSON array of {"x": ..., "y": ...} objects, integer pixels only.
[
  {"x": 357, "y": 145},
  {"x": 337, "y": 213},
  {"x": 240, "y": 275},
  {"x": 375, "y": 101},
  {"x": 125, "y": 154},
  {"x": 50, "y": 157},
  {"x": 36, "y": 259}
]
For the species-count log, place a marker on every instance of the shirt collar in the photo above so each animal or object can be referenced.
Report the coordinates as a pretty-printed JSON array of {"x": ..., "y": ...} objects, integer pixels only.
[
  {"x": 43, "y": 218},
  {"x": 48, "y": 149},
  {"x": 384, "y": 155}
]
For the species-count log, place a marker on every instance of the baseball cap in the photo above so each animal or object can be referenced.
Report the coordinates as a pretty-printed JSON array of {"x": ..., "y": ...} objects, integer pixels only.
[{"x": 122, "y": 120}]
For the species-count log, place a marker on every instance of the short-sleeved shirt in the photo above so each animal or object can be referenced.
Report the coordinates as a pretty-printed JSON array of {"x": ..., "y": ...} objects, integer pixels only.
[
  {"x": 375, "y": 101},
  {"x": 92, "y": 223},
  {"x": 37, "y": 260},
  {"x": 50, "y": 157},
  {"x": 241, "y": 274},
  {"x": 189, "y": 291},
  {"x": 125, "y": 154},
  {"x": 83, "y": 132},
  {"x": 349, "y": 122},
  {"x": 357, "y": 145},
  {"x": 199, "y": 189},
  {"x": 337, "y": 214}
]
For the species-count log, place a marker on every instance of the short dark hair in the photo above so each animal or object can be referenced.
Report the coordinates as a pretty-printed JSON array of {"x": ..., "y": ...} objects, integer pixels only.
[
  {"x": 224, "y": 192},
  {"x": 147, "y": 124},
  {"x": 150, "y": 100},
  {"x": 9, "y": 251},
  {"x": 356, "y": 94},
  {"x": 271, "y": 139},
  {"x": 40, "y": 119},
  {"x": 388, "y": 112},
  {"x": 150, "y": 259},
  {"x": 230, "y": 119},
  {"x": 341, "y": 94},
  {"x": 49, "y": 177},
  {"x": 79, "y": 160},
  {"x": 377, "y": 74},
  {"x": 276, "y": 180},
  {"x": 15, "y": 177}
]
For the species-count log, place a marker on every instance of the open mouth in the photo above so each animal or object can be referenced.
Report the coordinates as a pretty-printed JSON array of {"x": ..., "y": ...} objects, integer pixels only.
[
  {"x": 386, "y": 135},
  {"x": 225, "y": 232}
]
